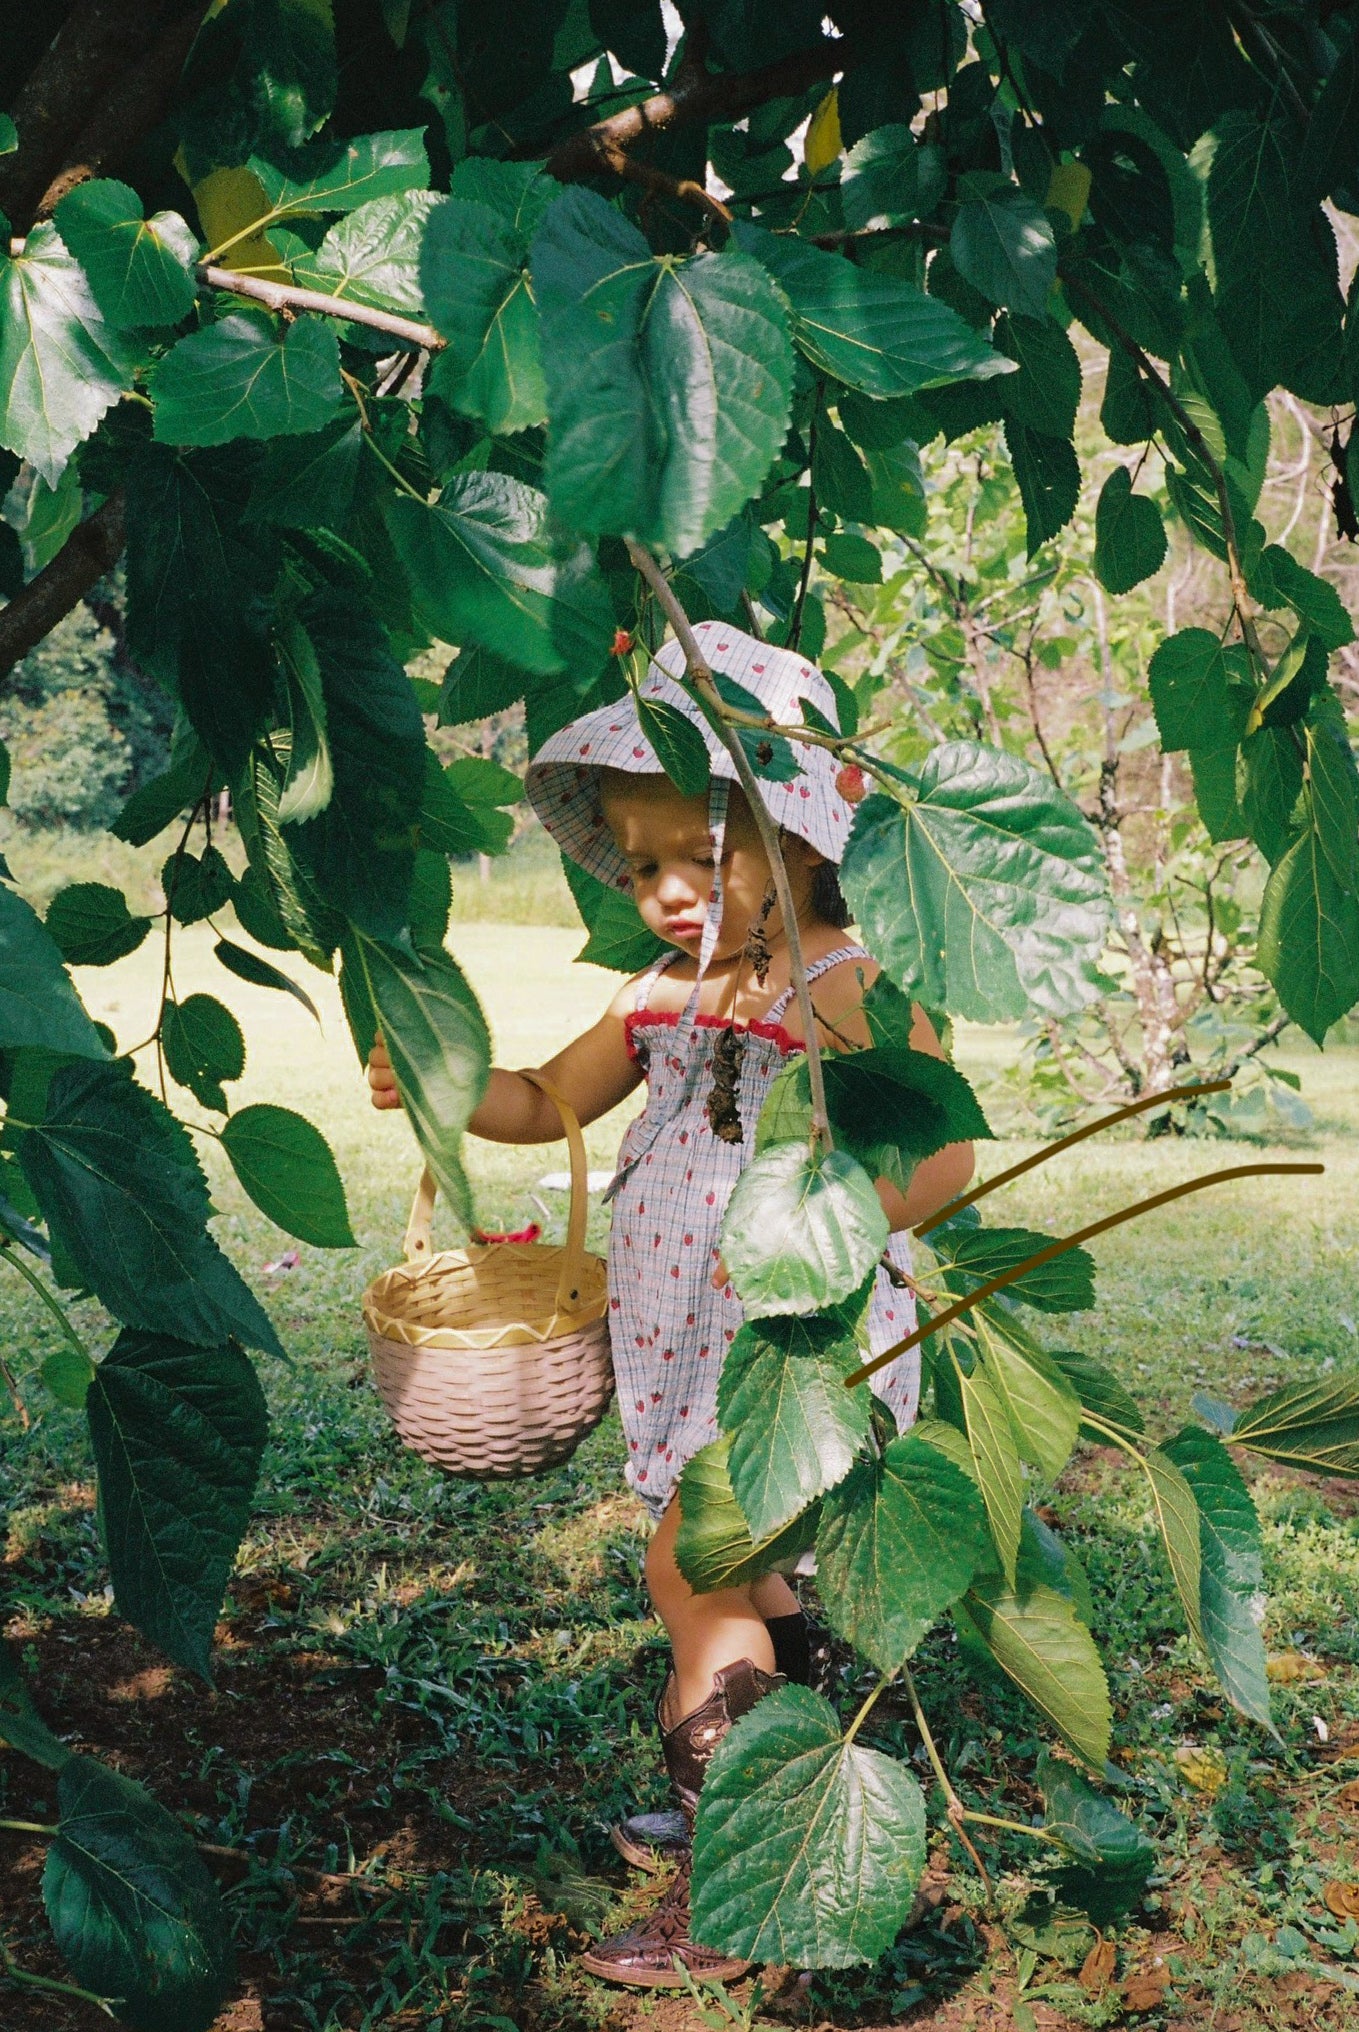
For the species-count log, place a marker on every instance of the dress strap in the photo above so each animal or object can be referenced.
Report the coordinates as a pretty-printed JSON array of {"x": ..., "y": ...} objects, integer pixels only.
[
  {"x": 837, "y": 958},
  {"x": 651, "y": 976}
]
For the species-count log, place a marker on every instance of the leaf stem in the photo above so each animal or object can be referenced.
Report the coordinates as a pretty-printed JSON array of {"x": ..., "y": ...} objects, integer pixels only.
[
  {"x": 34, "y": 1982},
  {"x": 701, "y": 678},
  {"x": 956, "y": 1811},
  {"x": 884, "y": 1681},
  {"x": 28, "y": 1827},
  {"x": 54, "y": 1306},
  {"x": 402, "y": 482},
  {"x": 804, "y": 578}
]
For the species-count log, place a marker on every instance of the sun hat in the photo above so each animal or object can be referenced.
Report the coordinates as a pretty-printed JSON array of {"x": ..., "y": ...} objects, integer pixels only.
[{"x": 563, "y": 782}]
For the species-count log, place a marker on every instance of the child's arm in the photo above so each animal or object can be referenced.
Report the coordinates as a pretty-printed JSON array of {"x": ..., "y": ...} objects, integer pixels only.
[{"x": 594, "y": 1073}]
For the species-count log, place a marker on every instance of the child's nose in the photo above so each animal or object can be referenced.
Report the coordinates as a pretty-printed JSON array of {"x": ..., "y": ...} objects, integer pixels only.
[{"x": 676, "y": 887}]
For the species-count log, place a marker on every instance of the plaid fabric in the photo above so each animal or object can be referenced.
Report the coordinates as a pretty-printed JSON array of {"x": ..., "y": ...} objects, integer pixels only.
[{"x": 563, "y": 779}]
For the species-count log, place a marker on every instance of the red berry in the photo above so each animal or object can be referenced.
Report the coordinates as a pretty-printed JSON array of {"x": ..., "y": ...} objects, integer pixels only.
[
  {"x": 622, "y": 642},
  {"x": 851, "y": 785}
]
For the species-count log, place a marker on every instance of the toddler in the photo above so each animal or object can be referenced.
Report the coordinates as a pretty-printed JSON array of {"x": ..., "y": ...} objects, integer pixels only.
[{"x": 701, "y": 879}]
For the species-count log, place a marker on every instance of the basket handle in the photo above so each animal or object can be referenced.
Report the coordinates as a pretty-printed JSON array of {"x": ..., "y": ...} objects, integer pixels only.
[{"x": 417, "y": 1242}]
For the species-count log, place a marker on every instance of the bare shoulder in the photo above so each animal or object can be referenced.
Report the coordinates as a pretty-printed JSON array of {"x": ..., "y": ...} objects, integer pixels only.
[{"x": 838, "y": 995}]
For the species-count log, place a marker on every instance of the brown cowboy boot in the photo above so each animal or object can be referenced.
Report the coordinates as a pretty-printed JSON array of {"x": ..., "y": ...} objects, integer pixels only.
[{"x": 643, "y": 1958}]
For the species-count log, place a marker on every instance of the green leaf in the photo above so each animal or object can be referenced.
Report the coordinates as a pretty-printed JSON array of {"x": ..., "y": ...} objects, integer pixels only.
[
  {"x": 140, "y": 270},
  {"x": 888, "y": 180},
  {"x": 1313, "y": 1426},
  {"x": 1003, "y": 244},
  {"x": 485, "y": 569},
  {"x": 261, "y": 973},
  {"x": 1130, "y": 537},
  {"x": 61, "y": 364},
  {"x": 1231, "y": 1600},
  {"x": 1201, "y": 692},
  {"x": 995, "y": 1457},
  {"x": 124, "y": 1197},
  {"x": 986, "y": 896},
  {"x": 1047, "y": 1560},
  {"x": 851, "y": 557},
  {"x": 900, "y": 1538},
  {"x": 178, "y": 1434},
  {"x": 1309, "y": 932},
  {"x": 308, "y": 482},
  {"x": 92, "y": 926},
  {"x": 38, "y": 1005},
  {"x": 165, "y": 798},
  {"x": 680, "y": 747},
  {"x": 1044, "y": 1409},
  {"x": 473, "y": 269},
  {"x": 802, "y": 1230},
  {"x": 891, "y": 1107},
  {"x": 1296, "y": 678},
  {"x": 360, "y": 851},
  {"x": 68, "y": 1374},
  {"x": 1046, "y": 392},
  {"x": 636, "y": 35},
  {"x": 618, "y": 937},
  {"x": 310, "y": 782},
  {"x": 808, "y": 1847},
  {"x": 235, "y": 378},
  {"x": 871, "y": 331},
  {"x": 436, "y": 1035},
  {"x": 1048, "y": 475},
  {"x": 450, "y": 825},
  {"x": 373, "y": 255},
  {"x": 713, "y": 1546},
  {"x": 339, "y": 176},
  {"x": 1214, "y": 777},
  {"x": 1100, "y": 1393},
  {"x": 1279, "y": 580},
  {"x": 795, "y": 1428},
  {"x": 668, "y": 382},
  {"x": 20, "y": 1725},
  {"x": 196, "y": 886},
  {"x": 1177, "y": 1520},
  {"x": 1112, "y": 1858},
  {"x": 203, "y": 1046},
  {"x": 1040, "y": 1643},
  {"x": 134, "y": 1911},
  {"x": 1066, "y": 1284},
  {"x": 287, "y": 1168}
]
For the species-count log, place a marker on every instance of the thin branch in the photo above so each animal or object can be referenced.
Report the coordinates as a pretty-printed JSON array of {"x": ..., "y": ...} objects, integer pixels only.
[
  {"x": 26, "y": 1977},
  {"x": 955, "y": 1807},
  {"x": 701, "y": 677},
  {"x": 285, "y": 296},
  {"x": 1055, "y": 1249},
  {"x": 804, "y": 579},
  {"x": 1262, "y": 1043},
  {"x": 88, "y": 552}
]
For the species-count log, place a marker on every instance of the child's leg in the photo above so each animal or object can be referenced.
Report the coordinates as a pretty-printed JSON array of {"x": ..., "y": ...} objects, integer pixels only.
[
  {"x": 706, "y": 1631},
  {"x": 773, "y": 1597}
]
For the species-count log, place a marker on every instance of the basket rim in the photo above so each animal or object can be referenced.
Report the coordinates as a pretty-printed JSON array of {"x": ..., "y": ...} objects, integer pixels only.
[{"x": 553, "y": 1325}]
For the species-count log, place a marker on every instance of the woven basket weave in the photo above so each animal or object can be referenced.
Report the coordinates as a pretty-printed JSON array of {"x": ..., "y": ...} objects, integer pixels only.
[{"x": 493, "y": 1360}]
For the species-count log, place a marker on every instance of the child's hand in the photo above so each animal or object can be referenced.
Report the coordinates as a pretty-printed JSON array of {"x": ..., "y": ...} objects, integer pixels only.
[{"x": 381, "y": 1078}]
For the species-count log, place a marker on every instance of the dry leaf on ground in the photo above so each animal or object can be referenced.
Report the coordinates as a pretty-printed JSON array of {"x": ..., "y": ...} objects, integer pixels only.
[
  {"x": 1146, "y": 1991},
  {"x": 1286, "y": 1668},
  {"x": 1098, "y": 1966},
  {"x": 1342, "y": 1899},
  {"x": 1204, "y": 1769}
]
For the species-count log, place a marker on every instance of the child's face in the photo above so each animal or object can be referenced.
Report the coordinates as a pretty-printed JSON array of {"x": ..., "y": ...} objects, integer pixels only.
[{"x": 663, "y": 836}]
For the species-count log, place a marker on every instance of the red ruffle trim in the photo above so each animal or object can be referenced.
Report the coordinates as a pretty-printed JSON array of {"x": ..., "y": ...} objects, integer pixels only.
[{"x": 638, "y": 1019}]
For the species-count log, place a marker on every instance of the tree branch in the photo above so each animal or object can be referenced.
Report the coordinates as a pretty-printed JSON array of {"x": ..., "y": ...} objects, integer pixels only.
[
  {"x": 88, "y": 552},
  {"x": 286, "y": 296},
  {"x": 700, "y": 675},
  {"x": 1262, "y": 1043},
  {"x": 695, "y": 96}
]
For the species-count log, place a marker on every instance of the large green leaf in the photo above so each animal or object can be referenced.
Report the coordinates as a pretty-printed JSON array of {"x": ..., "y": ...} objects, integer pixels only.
[
  {"x": 995, "y": 1458},
  {"x": 436, "y": 1035},
  {"x": 618, "y": 937},
  {"x": 1231, "y": 1571},
  {"x": 802, "y": 1230},
  {"x": 38, "y": 1005},
  {"x": 134, "y": 1911},
  {"x": 1201, "y": 692},
  {"x": 1111, "y": 1857},
  {"x": 1100, "y": 1393},
  {"x": 1002, "y": 242},
  {"x": 900, "y": 1538},
  {"x": 808, "y": 1847},
  {"x": 1278, "y": 580},
  {"x": 92, "y": 925},
  {"x": 449, "y": 824},
  {"x": 287, "y": 1168},
  {"x": 309, "y": 783},
  {"x": 1314, "y": 1426},
  {"x": 20, "y": 1725},
  {"x": 1177, "y": 1520},
  {"x": 985, "y": 896},
  {"x": 306, "y": 481},
  {"x": 373, "y": 255},
  {"x": 891, "y": 1107},
  {"x": 871, "y": 331},
  {"x": 976, "y": 1255},
  {"x": 1130, "y": 537},
  {"x": 1048, "y": 476},
  {"x": 485, "y": 569},
  {"x": 713, "y": 1546},
  {"x": 282, "y": 898},
  {"x": 668, "y": 382},
  {"x": 178, "y": 1434},
  {"x": 61, "y": 364},
  {"x": 1039, "y": 1641},
  {"x": 795, "y": 1428},
  {"x": 1044, "y": 1410},
  {"x": 116, "y": 1177},
  {"x": 474, "y": 273},
  {"x": 1046, "y": 392},
  {"x": 261, "y": 973},
  {"x": 339, "y": 176},
  {"x": 890, "y": 179},
  {"x": 140, "y": 270},
  {"x": 203, "y": 1046},
  {"x": 360, "y": 850},
  {"x": 1309, "y": 930},
  {"x": 238, "y": 378}
]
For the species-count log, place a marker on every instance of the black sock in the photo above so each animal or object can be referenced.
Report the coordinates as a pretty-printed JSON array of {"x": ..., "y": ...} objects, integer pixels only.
[{"x": 792, "y": 1651}]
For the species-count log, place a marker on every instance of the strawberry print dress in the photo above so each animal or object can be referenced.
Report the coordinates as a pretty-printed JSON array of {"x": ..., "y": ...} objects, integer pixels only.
[{"x": 670, "y": 1328}]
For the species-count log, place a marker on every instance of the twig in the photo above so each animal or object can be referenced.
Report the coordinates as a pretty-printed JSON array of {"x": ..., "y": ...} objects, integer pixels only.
[
  {"x": 285, "y": 296},
  {"x": 1055, "y": 1249},
  {"x": 955, "y": 1808},
  {"x": 1262, "y": 1042},
  {"x": 9, "y": 1255},
  {"x": 91, "y": 549},
  {"x": 34, "y": 1982},
  {"x": 701, "y": 677},
  {"x": 21, "y": 1411},
  {"x": 349, "y": 1879},
  {"x": 804, "y": 579}
]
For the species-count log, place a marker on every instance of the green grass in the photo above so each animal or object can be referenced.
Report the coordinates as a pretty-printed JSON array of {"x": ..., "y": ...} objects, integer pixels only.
[{"x": 447, "y": 1685}]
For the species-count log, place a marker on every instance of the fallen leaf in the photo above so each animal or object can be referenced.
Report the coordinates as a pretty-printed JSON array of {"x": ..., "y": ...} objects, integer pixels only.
[
  {"x": 1348, "y": 1795},
  {"x": 1146, "y": 1991},
  {"x": 1203, "y": 1768},
  {"x": 1286, "y": 1667},
  {"x": 1098, "y": 1966},
  {"x": 1342, "y": 1899}
]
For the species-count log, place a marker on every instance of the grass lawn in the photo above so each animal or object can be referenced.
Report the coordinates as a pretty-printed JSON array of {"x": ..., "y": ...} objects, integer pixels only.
[{"x": 445, "y": 1687}]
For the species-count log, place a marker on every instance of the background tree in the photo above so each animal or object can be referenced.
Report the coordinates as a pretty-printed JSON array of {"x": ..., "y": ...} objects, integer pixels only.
[{"x": 364, "y": 328}]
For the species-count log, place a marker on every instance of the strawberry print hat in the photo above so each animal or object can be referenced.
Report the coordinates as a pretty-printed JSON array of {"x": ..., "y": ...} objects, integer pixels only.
[{"x": 563, "y": 778}]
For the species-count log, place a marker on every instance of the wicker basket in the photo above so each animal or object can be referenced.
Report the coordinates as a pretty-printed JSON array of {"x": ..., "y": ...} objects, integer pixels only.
[{"x": 494, "y": 1360}]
